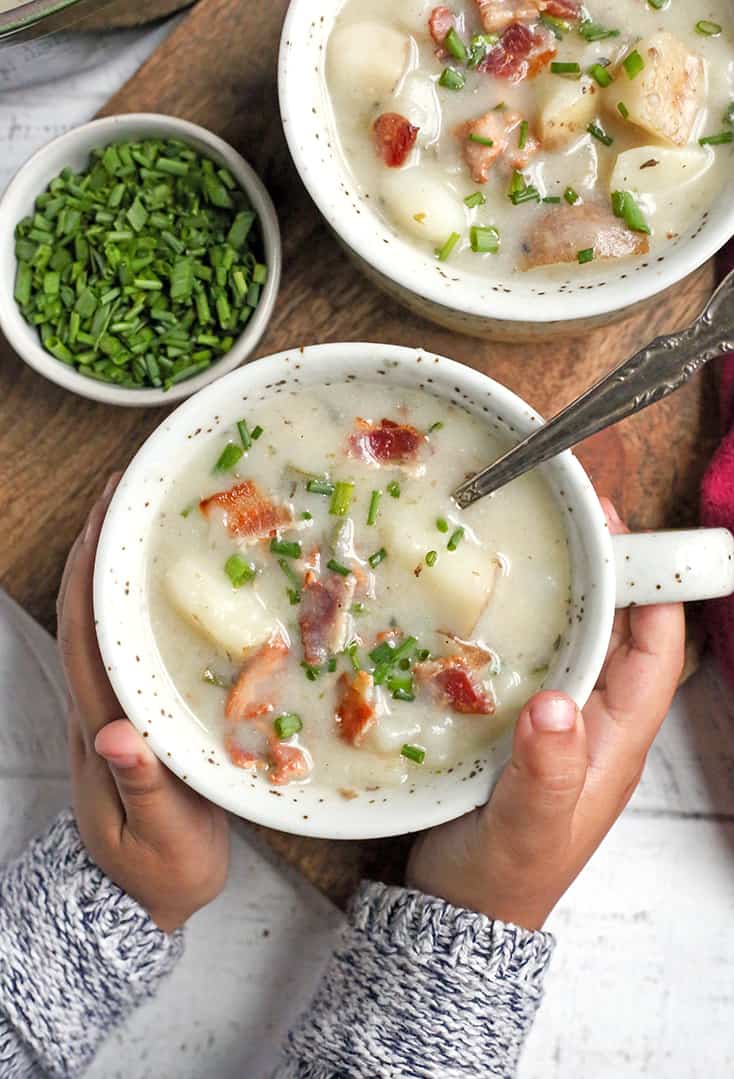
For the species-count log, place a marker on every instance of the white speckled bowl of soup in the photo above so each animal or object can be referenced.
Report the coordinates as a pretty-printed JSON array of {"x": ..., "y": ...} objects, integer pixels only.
[
  {"x": 516, "y": 167},
  {"x": 293, "y": 610}
]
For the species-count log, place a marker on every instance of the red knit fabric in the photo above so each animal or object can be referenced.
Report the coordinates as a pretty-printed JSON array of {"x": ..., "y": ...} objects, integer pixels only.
[{"x": 717, "y": 503}]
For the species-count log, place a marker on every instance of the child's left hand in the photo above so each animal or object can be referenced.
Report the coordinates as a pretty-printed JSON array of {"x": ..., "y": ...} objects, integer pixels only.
[{"x": 155, "y": 837}]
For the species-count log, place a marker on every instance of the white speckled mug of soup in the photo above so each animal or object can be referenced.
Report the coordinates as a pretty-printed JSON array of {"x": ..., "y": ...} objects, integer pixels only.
[
  {"x": 295, "y": 612},
  {"x": 516, "y": 167}
]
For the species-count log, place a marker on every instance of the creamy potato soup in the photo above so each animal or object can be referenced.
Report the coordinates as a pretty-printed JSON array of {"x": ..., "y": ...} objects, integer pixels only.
[
  {"x": 507, "y": 135},
  {"x": 323, "y": 606}
]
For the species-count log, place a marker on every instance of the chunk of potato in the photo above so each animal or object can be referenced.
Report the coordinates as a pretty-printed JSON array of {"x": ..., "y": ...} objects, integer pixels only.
[
  {"x": 567, "y": 107},
  {"x": 233, "y": 619},
  {"x": 667, "y": 179},
  {"x": 425, "y": 206},
  {"x": 667, "y": 95},
  {"x": 418, "y": 102},
  {"x": 365, "y": 62},
  {"x": 457, "y": 588}
]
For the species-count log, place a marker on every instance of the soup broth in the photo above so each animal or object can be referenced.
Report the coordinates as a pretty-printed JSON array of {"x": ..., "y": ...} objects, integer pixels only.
[
  {"x": 501, "y": 160},
  {"x": 321, "y": 603}
]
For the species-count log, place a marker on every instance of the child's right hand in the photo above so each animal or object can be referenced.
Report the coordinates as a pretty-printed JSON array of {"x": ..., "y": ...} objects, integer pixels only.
[
  {"x": 156, "y": 838},
  {"x": 569, "y": 779}
]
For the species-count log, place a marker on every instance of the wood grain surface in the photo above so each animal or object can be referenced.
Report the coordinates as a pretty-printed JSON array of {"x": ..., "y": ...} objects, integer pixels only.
[{"x": 218, "y": 68}]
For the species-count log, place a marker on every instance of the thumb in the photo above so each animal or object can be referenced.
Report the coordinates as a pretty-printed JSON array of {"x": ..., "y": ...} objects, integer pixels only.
[{"x": 533, "y": 804}]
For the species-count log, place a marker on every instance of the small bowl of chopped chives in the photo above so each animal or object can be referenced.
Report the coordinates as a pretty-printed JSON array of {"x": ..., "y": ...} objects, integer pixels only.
[{"x": 140, "y": 259}]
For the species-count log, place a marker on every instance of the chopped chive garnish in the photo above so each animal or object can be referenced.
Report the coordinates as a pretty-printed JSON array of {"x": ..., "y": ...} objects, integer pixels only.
[
  {"x": 401, "y": 694},
  {"x": 256, "y": 432},
  {"x": 523, "y": 136},
  {"x": 320, "y": 487},
  {"x": 475, "y": 199},
  {"x": 708, "y": 28},
  {"x": 601, "y": 75},
  {"x": 437, "y": 426},
  {"x": 245, "y": 436},
  {"x": 442, "y": 524},
  {"x": 287, "y": 725},
  {"x": 341, "y": 500},
  {"x": 404, "y": 649},
  {"x": 558, "y": 26},
  {"x": 624, "y": 206},
  {"x": 239, "y": 570},
  {"x": 633, "y": 64},
  {"x": 431, "y": 558},
  {"x": 379, "y": 556},
  {"x": 623, "y": 110},
  {"x": 413, "y": 753},
  {"x": 729, "y": 114},
  {"x": 312, "y": 673},
  {"x": 481, "y": 140},
  {"x": 587, "y": 255},
  {"x": 453, "y": 44},
  {"x": 451, "y": 79},
  {"x": 374, "y": 507},
  {"x": 383, "y": 653},
  {"x": 554, "y": 199},
  {"x": 443, "y": 253},
  {"x": 393, "y": 489},
  {"x": 484, "y": 239},
  {"x": 456, "y": 537},
  {"x": 286, "y": 548},
  {"x": 717, "y": 140},
  {"x": 187, "y": 509},
  {"x": 658, "y": 4},
  {"x": 599, "y": 133},
  {"x": 357, "y": 608},
  {"x": 562, "y": 67},
  {"x": 306, "y": 516},
  {"x": 337, "y": 567},
  {"x": 229, "y": 457},
  {"x": 294, "y": 592},
  {"x": 213, "y": 679},
  {"x": 520, "y": 191},
  {"x": 422, "y": 654},
  {"x": 593, "y": 31},
  {"x": 351, "y": 652}
]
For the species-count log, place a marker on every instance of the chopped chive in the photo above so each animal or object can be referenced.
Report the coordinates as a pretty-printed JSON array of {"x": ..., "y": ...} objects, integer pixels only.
[
  {"x": 729, "y": 114},
  {"x": 404, "y": 648},
  {"x": 523, "y": 136},
  {"x": 341, "y": 500},
  {"x": 456, "y": 537},
  {"x": 708, "y": 28},
  {"x": 320, "y": 487},
  {"x": 558, "y": 26},
  {"x": 436, "y": 426},
  {"x": 413, "y": 753},
  {"x": 239, "y": 570},
  {"x": 717, "y": 140},
  {"x": 306, "y": 516},
  {"x": 481, "y": 140},
  {"x": 337, "y": 567},
  {"x": 475, "y": 199},
  {"x": 529, "y": 194},
  {"x": 587, "y": 255},
  {"x": 357, "y": 608},
  {"x": 422, "y": 654},
  {"x": 554, "y": 199},
  {"x": 383, "y": 653},
  {"x": 213, "y": 679},
  {"x": 442, "y": 524},
  {"x": 287, "y": 548},
  {"x": 379, "y": 556},
  {"x": 351, "y": 652},
  {"x": 451, "y": 79},
  {"x": 245, "y": 437},
  {"x": 659, "y": 5},
  {"x": 623, "y": 110},
  {"x": 402, "y": 694},
  {"x": 600, "y": 134},
  {"x": 311, "y": 672},
  {"x": 23, "y": 283},
  {"x": 562, "y": 67},
  {"x": 256, "y": 432},
  {"x": 625, "y": 206},
  {"x": 601, "y": 75},
  {"x": 593, "y": 31},
  {"x": 633, "y": 64},
  {"x": 431, "y": 558},
  {"x": 393, "y": 489},
  {"x": 287, "y": 725},
  {"x": 443, "y": 253},
  {"x": 453, "y": 44},
  {"x": 294, "y": 593},
  {"x": 228, "y": 458},
  {"x": 484, "y": 240},
  {"x": 374, "y": 507},
  {"x": 331, "y": 665}
]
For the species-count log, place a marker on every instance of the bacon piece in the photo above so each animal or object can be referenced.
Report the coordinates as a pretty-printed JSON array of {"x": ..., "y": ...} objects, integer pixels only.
[
  {"x": 520, "y": 53},
  {"x": 499, "y": 128},
  {"x": 563, "y": 9},
  {"x": 440, "y": 21},
  {"x": 242, "y": 758},
  {"x": 385, "y": 443},
  {"x": 476, "y": 656},
  {"x": 497, "y": 15},
  {"x": 394, "y": 138},
  {"x": 254, "y": 692},
  {"x": 287, "y": 763},
  {"x": 564, "y": 231},
  {"x": 248, "y": 513},
  {"x": 323, "y": 616},
  {"x": 355, "y": 709},
  {"x": 451, "y": 681}
]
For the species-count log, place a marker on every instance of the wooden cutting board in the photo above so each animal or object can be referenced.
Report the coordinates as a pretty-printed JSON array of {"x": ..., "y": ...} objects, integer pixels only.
[{"x": 218, "y": 69}]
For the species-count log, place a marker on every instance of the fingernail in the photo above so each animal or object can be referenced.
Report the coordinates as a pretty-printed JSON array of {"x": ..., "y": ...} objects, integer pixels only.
[
  {"x": 553, "y": 714},
  {"x": 109, "y": 486},
  {"x": 88, "y": 530},
  {"x": 126, "y": 760}
]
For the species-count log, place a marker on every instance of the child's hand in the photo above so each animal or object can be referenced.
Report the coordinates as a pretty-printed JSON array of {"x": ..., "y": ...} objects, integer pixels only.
[
  {"x": 569, "y": 779},
  {"x": 156, "y": 838}
]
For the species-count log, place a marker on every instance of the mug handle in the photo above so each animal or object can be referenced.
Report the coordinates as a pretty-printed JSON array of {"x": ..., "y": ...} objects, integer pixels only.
[{"x": 671, "y": 567}]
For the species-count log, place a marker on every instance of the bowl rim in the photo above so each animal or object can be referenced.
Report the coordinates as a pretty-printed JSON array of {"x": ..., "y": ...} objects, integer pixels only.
[
  {"x": 22, "y": 337},
  {"x": 403, "y": 264},
  {"x": 596, "y": 576}
]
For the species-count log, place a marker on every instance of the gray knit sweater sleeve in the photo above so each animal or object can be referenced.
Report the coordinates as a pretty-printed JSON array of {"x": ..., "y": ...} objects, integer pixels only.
[
  {"x": 423, "y": 990},
  {"x": 76, "y": 956}
]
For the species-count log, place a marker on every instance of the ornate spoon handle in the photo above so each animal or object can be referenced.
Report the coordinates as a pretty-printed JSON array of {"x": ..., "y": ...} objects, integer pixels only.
[{"x": 656, "y": 371}]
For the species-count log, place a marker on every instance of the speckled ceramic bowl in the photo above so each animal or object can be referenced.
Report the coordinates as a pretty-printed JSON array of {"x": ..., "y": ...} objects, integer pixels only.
[
  {"x": 631, "y": 568},
  {"x": 523, "y": 307}
]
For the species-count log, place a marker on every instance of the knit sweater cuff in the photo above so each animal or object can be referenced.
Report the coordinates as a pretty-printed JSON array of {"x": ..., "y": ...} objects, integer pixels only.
[
  {"x": 421, "y": 988},
  {"x": 76, "y": 953}
]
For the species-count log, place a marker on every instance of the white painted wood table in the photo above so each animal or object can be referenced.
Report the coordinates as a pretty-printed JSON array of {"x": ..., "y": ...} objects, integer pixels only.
[{"x": 642, "y": 982}]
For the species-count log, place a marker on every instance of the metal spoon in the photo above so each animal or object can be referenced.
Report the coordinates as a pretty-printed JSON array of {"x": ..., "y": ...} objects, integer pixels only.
[{"x": 658, "y": 370}]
